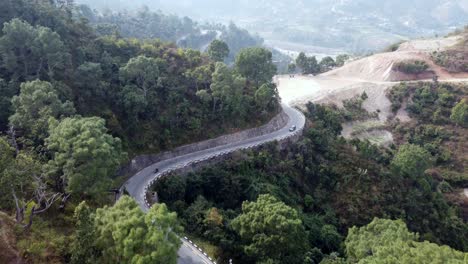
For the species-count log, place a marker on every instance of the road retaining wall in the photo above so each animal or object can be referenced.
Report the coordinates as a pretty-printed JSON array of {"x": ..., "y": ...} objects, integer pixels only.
[
  {"x": 210, "y": 161},
  {"x": 143, "y": 161}
]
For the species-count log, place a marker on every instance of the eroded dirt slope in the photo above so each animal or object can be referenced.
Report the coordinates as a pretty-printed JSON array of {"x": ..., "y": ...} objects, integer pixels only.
[{"x": 380, "y": 67}]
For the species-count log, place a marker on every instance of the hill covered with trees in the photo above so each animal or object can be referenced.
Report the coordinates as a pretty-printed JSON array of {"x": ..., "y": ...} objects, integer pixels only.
[
  {"x": 75, "y": 104},
  {"x": 313, "y": 195},
  {"x": 186, "y": 33}
]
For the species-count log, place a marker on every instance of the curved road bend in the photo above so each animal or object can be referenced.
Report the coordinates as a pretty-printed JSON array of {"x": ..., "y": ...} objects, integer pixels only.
[{"x": 136, "y": 185}]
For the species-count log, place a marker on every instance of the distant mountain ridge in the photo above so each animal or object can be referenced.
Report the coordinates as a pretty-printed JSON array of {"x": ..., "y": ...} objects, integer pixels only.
[{"x": 351, "y": 25}]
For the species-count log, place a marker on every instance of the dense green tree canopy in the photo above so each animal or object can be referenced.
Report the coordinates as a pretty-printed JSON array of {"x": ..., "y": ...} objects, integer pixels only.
[
  {"x": 271, "y": 230},
  {"x": 84, "y": 155},
  {"x": 256, "y": 65},
  {"x": 227, "y": 89},
  {"x": 29, "y": 51},
  {"x": 387, "y": 241},
  {"x": 83, "y": 250},
  {"x": 34, "y": 106},
  {"x": 460, "y": 113},
  {"x": 411, "y": 160},
  {"x": 308, "y": 65},
  {"x": 218, "y": 50},
  {"x": 126, "y": 235},
  {"x": 341, "y": 59},
  {"x": 266, "y": 96},
  {"x": 327, "y": 63}
]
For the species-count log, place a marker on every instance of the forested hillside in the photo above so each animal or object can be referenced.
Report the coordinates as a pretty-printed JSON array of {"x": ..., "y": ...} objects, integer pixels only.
[
  {"x": 303, "y": 201},
  {"x": 76, "y": 104},
  {"x": 348, "y": 26},
  {"x": 145, "y": 24},
  {"x": 153, "y": 92},
  {"x": 78, "y": 99}
]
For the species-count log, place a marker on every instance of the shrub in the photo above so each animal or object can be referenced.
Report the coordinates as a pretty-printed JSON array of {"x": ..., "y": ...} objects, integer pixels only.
[{"x": 411, "y": 67}]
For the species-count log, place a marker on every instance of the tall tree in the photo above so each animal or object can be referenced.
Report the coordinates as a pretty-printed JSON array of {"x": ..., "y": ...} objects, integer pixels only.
[
  {"x": 21, "y": 180},
  {"x": 34, "y": 106},
  {"x": 218, "y": 50},
  {"x": 227, "y": 89},
  {"x": 411, "y": 161},
  {"x": 142, "y": 72},
  {"x": 341, "y": 59},
  {"x": 460, "y": 113},
  {"x": 84, "y": 155},
  {"x": 326, "y": 64},
  {"x": 6, "y": 93},
  {"x": 83, "y": 250},
  {"x": 308, "y": 65},
  {"x": 256, "y": 64},
  {"x": 271, "y": 230},
  {"x": 141, "y": 78},
  {"x": 387, "y": 241},
  {"x": 267, "y": 96},
  {"x": 32, "y": 52},
  {"x": 126, "y": 235}
]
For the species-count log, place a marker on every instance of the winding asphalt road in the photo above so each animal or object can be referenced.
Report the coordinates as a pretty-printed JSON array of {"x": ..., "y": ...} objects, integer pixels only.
[{"x": 138, "y": 184}]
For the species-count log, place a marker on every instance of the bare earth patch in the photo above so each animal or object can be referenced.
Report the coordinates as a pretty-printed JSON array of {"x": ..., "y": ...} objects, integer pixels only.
[
  {"x": 299, "y": 90},
  {"x": 374, "y": 75},
  {"x": 379, "y": 67}
]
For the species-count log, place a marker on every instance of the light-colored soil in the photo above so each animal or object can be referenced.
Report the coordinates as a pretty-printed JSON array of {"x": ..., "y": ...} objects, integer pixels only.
[
  {"x": 325, "y": 90},
  {"x": 373, "y": 75},
  {"x": 379, "y": 67},
  {"x": 429, "y": 45}
]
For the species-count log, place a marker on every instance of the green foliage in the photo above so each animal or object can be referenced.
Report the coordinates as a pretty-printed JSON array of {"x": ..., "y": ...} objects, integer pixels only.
[
  {"x": 141, "y": 77},
  {"x": 353, "y": 109},
  {"x": 308, "y": 65},
  {"x": 227, "y": 90},
  {"x": 44, "y": 243},
  {"x": 341, "y": 59},
  {"x": 6, "y": 93},
  {"x": 125, "y": 234},
  {"x": 34, "y": 108},
  {"x": 430, "y": 106},
  {"x": 18, "y": 175},
  {"x": 83, "y": 250},
  {"x": 271, "y": 230},
  {"x": 460, "y": 113},
  {"x": 411, "y": 161},
  {"x": 145, "y": 89},
  {"x": 84, "y": 155},
  {"x": 267, "y": 96},
  {"x": 337, "y": 184},
  {"x": 218, "y": 50},
  {"x": 397, "y": 95},
  {"x": 29, "y": 51},
  {"x": 256, "y": 65},
  {"x": 237, "y": 39},
  {"x": 454, "y": 59},
  {"x": 393, "y": 47},
  {"x": 146, "y": 24},
  {"x": 387, "y": 241},
  {"x": 411, "y": 67},
  {"x": 292, "y": 68},
  {"x": 327, "y": 63}
]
